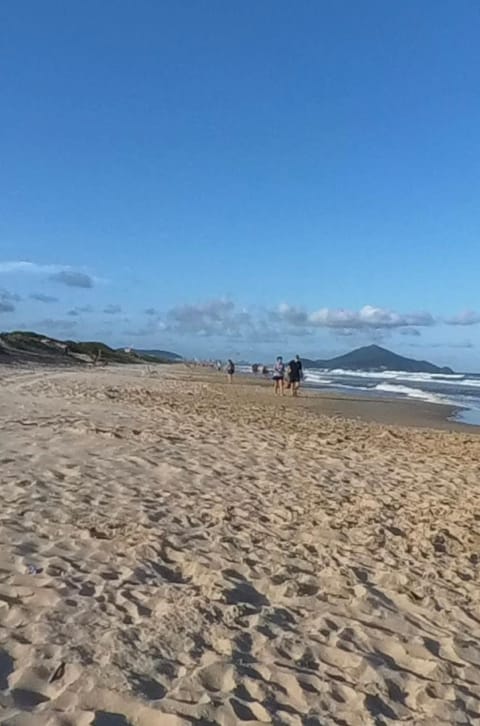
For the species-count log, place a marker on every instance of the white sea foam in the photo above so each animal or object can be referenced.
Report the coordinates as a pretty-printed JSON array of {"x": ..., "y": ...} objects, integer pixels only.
[
  {"x": 395, "y": 385},
  {"x": 454, "y": 379},
  {"x": 400, "y": 390},
  {"x": 469, "y": 382},
  {"x": 400, "y": 375},
  {"x": 312, "y": 376}
]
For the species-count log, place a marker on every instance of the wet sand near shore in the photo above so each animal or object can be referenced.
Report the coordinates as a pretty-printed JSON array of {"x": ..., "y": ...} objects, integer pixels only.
[
  {"x": 175, "y": 550},
  {"x": 380, "y": 409}
]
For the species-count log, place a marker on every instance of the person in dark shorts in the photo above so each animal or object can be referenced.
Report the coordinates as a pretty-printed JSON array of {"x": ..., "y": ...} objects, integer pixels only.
[
  {"x": 230, "y": 370},
  {"x": 279, "y": 375},
  {"x": 300, "y": 366},
  {"x": 294, "y": 376}
]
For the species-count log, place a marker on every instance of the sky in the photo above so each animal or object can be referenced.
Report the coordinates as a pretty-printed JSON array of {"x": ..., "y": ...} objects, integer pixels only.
[{"x": 243, "y": 178}]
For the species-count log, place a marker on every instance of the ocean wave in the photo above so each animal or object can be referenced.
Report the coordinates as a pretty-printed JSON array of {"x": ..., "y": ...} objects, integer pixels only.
[
  {"x": 400, "y": 390},
  {"x": 314, "y": 377},
  {"x": 401, "y": 375},
  {"x": 461, "y": 400},
  {"x": 469, "y": 383},
  {"x": 454, "y": 379}
]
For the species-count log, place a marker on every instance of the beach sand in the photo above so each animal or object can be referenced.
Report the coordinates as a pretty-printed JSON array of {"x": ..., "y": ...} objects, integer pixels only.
[{"x": 174, "y": 550}]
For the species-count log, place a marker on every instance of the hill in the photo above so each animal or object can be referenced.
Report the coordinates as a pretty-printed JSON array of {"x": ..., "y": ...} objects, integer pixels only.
[
  {"x": 376, "y": 358},
  {"x": 20, "y": 347},
  {"x": 164, "y": 355}
]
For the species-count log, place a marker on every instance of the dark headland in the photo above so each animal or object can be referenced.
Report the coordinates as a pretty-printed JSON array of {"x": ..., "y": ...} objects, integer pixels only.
[{"x": 376, "y": 358}]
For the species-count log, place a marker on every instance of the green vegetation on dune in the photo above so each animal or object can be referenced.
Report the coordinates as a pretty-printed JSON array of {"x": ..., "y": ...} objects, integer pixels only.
[
  {"x": 26, "y": 340},
  {"x": 101, "y": 350},
  {"x": 27, "y": 346},
  {"x": 164, "y": 355}
]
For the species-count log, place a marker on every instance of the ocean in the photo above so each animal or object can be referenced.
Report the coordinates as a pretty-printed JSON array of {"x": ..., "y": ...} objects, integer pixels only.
[{"x": 459, "y": 390}]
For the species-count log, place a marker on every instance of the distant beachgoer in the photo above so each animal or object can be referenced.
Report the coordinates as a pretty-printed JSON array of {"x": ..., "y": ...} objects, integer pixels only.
[
  {"x": 230, "y": 370},
  {"x": 279, "y": 375},
  {"x": 255, "y": 368},
  {"x": 294, "y": 372},
  {"x": 264, "y": 371},
  {"x": 300, "y": 366},
  {"x": 287, "y": 377}
]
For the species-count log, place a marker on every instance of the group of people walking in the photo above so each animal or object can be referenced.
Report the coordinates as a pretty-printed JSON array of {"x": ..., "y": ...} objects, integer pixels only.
[{"x": 285, "y": 376}]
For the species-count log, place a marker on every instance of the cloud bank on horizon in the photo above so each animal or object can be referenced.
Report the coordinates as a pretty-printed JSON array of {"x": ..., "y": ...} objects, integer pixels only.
[{"x": 218, "y": 319}]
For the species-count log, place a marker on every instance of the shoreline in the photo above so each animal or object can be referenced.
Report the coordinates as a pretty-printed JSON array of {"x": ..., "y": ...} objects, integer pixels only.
[{"x": 382, "y": 410}]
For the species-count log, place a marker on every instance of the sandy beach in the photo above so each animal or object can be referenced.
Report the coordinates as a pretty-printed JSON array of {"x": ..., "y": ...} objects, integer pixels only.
[{"x": 174, "y": 550}]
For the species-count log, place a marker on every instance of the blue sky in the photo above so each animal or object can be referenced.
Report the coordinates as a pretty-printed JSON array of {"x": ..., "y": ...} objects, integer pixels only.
[{"x": 243, "y": 178}]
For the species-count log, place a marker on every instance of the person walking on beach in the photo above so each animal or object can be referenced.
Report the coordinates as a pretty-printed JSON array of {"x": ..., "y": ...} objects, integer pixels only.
[
  {"x": 294, "y": 373},
  {"x": 279, "y": 376},
  {"x": 230, "y": 370},
  {"x": 300, "y": 366}
]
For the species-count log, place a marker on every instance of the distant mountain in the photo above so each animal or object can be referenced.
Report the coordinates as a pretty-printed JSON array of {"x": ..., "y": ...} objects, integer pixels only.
[
  {"x": 23, "y": 346},
  {"x": 162, "y": 354},
  {"x": 376, "y": 358}
]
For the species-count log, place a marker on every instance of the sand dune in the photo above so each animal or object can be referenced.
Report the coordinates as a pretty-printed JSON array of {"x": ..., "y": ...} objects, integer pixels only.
[{"x": 180, "y": 552}]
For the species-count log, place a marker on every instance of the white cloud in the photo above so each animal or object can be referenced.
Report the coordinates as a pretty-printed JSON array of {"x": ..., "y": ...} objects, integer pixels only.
[
  {"x": 215, "y": 317},
  {"x": 112, "y": 310},
  {"x": 223, "y": 318},
  {"x": 24, "y": 266},
  {"x": 71, "y": 278},
  {"x": 412, "y": 332},
  {"x": 7, "y": 301},
  {"x": 64, "y": 274},
  {"x": 75, "y": 312},
  {"x": 40, "y": 297},
  {"x": 467, "y": 317},
  {"x": 368, "y": 317},
  {"x": 292, "y": 314}
]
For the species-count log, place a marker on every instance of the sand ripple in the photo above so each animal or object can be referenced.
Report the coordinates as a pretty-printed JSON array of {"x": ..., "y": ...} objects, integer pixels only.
[{"x": 174, "y": 552}]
